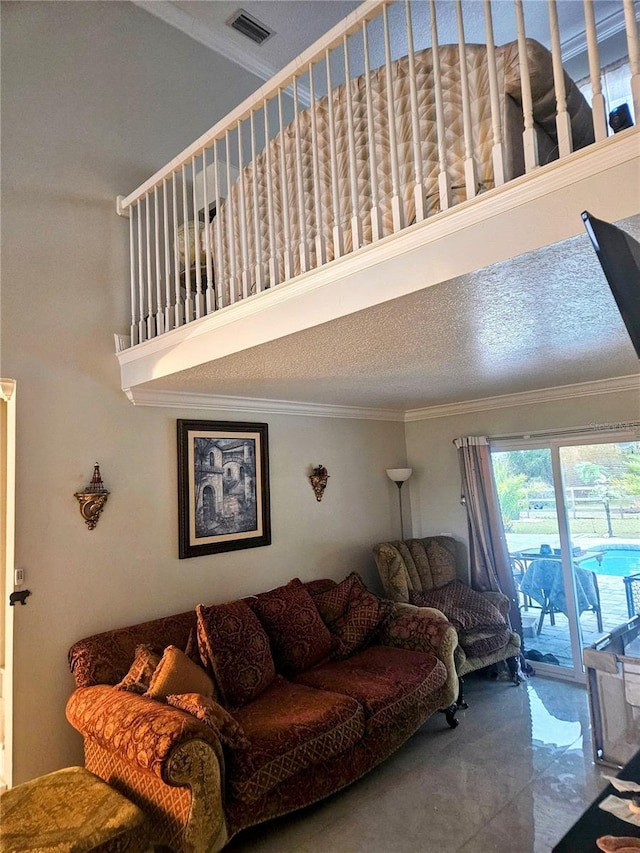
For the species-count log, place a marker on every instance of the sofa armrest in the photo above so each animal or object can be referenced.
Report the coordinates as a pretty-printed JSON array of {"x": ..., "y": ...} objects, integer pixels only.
[
  {"x": 499, "y": 600},
  {"x": 425, "y": 629},
  {"x": 130, "y": 740}
]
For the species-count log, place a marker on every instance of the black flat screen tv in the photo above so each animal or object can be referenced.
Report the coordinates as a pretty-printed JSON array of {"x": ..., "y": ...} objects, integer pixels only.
[{"x": 619, "y": 256}]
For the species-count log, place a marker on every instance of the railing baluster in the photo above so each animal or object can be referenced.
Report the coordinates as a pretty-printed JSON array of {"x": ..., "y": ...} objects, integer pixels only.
[
  {"x": 167, "y": 256},
  {"x": 197, "y": 253},
  {"x": 444, "y": 189},
  {"x": 231, "y": 219},
  {"x": 356, "y": 223},
  {"x": 397, "y": 206},
  {"x": 210, "y": 296},
  {"x": 530, "y": 139},
  {"x": 497, "y": 153},
  {"x": 259, "y": 267},
  {"x": 218, "y": 261},
  {"x": 321, "y": 256},
  {"x": 141, "y": 322},
  {"x": 242, "y": 213},
  {"x": 470, "y": 176},
  {"x": 302, "y": 223},
  {"x": 284, "y": 195},
  {"x": 419, "y": 193},
  {"x": 598, "y": 107},
  {"x": 274, "y": 266},
  {"x": 338, "y": 245},
  {"x": 634, "y": 54},
  {"x": 186, "y": 244},
  {"x": 563, "y": 120},
  {"x": 132, "y": 264},
  {"x": 151, "y": 326},
  {"x": 376, "y": 222},
  {"x": 179, "y": 308},
  {"x": 158, "y": 268}
]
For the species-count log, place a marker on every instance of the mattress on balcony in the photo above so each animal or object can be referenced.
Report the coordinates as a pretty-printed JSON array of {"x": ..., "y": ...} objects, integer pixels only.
[{"x": 239, "y": 205}]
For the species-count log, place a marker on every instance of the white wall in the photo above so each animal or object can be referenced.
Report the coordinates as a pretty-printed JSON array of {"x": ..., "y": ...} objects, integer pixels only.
[
  {"x": 435, "y": 484},
  {"x": 95, "y": 96}
]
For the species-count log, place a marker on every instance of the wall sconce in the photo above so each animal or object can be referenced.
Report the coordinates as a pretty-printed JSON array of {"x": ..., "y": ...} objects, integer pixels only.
[
  {"x": 93, "y": 499},
  {"x": 399, "y": 476},
  {"x": 318, "y": 479}
]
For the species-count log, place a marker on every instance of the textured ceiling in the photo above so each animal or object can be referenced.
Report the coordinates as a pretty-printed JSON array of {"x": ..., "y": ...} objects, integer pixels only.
[{"x": 541, "y": 320}]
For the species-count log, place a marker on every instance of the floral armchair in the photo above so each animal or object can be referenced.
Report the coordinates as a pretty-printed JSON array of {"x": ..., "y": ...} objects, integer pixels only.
[{"x": 424, "y": 572}]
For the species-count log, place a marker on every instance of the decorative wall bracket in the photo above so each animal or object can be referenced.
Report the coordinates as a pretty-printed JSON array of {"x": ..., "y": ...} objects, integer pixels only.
[
  {"x": 318, "y": 479},
  {"x": 93, "y": 499}
]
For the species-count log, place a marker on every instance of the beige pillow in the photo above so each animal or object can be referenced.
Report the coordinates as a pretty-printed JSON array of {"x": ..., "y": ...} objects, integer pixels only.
[{"x": 177, "y": 673}]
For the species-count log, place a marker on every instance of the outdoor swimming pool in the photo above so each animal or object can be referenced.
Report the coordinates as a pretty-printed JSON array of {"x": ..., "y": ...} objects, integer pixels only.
[{"x": 620, "y": 562}]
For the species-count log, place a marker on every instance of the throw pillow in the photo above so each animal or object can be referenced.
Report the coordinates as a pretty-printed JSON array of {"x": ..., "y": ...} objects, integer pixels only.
[
  {"x": 464, "y": 607},
  {"x": 299, "y": 638},
  {"x": 237, "y": 647},
  {"x": 176, "y": 673},
  {"x": 213, "y": 715},
  {"x": 333, "y": 602},
  {"x": 358, "y": 626},
  {"x": 138, "y": 678}
]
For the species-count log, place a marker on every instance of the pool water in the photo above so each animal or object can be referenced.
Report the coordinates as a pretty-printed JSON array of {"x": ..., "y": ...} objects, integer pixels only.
[{"x": 619, "y": 562}]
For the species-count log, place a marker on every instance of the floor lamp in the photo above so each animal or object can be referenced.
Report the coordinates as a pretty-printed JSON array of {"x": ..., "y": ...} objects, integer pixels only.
[{"x": 399, "y": 476}]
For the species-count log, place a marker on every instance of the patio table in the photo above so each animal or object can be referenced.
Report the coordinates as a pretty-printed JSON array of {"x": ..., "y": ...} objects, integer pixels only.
[{"x": 543, "y": 581}]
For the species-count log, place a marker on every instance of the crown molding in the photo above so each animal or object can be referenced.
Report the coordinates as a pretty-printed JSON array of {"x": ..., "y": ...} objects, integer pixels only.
[
  {"x": 609, "y": 26},
  {"x": 253, "y": 405},
  {"x": 527, "y": 398}
]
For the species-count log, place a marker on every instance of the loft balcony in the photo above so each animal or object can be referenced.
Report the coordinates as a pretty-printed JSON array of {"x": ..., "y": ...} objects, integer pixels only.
[{"x": 402, "y": 151}]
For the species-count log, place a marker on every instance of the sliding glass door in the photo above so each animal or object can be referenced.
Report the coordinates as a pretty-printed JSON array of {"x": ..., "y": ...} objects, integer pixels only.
[{"x": 571, "y": 515}]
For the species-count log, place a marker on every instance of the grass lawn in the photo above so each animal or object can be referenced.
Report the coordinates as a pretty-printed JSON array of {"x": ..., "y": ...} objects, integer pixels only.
[{"x": 625, "y": 527}]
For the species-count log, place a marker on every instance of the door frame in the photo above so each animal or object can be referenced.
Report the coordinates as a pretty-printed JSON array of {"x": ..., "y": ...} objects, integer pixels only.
[
  {"x": 553, "y": 442},
  {"x": 7, "y": 565}
]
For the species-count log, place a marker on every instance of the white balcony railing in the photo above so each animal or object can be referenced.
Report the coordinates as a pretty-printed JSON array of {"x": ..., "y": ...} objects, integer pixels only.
[{"x": 392, "y": 117}]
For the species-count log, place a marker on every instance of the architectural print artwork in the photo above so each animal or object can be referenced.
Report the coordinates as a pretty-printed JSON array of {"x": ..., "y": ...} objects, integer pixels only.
[{"x": 223, "y": 486}]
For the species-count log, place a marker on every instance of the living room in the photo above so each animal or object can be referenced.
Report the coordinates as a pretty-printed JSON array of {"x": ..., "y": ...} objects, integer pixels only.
[{"x": 87, "y": 92}]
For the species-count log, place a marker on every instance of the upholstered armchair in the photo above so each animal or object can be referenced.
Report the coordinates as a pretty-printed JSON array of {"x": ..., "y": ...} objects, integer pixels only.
[{"x": 424, "y": 572}]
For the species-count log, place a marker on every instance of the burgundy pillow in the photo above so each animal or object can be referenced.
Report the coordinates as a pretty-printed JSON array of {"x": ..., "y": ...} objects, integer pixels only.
[
  {"x": 333, "y": 603},
  {"x": 465, "y": 608},
  {"x": 364, "y": 618},
  {"x": 138, "y": 679},
  {"x": 236, "y": 646},
  {"x": 213, "y": 715},
  {"x": 299, "y": 638}
]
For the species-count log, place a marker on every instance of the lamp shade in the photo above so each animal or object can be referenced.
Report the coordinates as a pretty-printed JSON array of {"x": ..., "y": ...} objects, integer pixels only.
[{"x": 399, "y": 475}]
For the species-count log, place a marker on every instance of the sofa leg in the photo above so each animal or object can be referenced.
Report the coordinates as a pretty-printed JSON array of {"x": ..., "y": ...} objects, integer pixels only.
[
  {"x": 450, "y": 715},
  {"x": 460, "y": 703},
  {"x": 514, "y": 669}
]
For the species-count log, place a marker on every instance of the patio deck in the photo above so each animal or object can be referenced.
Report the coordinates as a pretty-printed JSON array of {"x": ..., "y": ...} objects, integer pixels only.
[{"x": 554, "y": 639}]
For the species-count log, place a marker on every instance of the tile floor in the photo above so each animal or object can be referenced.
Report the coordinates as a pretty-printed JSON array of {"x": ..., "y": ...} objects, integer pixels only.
[{"x": 512, "y": 778}]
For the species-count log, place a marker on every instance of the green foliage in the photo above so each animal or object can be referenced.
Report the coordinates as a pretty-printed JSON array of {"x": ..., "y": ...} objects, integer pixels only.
[
  {"x": 629, "y": 481},
  {"x": 511, "y": 490},
  {"x": 534, "y": 464}
]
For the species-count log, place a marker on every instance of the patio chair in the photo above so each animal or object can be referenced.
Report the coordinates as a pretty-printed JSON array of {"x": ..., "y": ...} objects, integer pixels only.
[{"x": 425, "y": 572}]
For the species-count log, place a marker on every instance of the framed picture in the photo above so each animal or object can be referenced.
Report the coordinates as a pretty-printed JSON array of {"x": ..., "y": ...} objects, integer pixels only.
[{"x": 223, "y": 487}]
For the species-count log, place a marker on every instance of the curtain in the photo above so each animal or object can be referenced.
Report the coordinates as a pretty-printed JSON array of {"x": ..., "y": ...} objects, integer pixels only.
[{"x": 489, "y": 561}]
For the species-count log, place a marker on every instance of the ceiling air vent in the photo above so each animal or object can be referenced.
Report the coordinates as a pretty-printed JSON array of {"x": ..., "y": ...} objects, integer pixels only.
[{"x": 249, "y": 26}]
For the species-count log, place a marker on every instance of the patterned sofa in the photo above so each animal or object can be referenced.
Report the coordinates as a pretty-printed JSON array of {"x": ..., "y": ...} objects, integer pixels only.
[{"x": 313, "y": 685}]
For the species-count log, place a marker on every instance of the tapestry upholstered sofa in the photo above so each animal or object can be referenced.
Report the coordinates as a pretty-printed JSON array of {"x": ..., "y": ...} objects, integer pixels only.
[
  {"x": 223, "y": 717},
  {"x": 427, "y": 572}
]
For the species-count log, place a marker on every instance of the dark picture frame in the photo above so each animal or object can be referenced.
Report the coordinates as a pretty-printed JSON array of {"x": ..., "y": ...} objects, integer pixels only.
[{"x": 223, "y": 487}]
